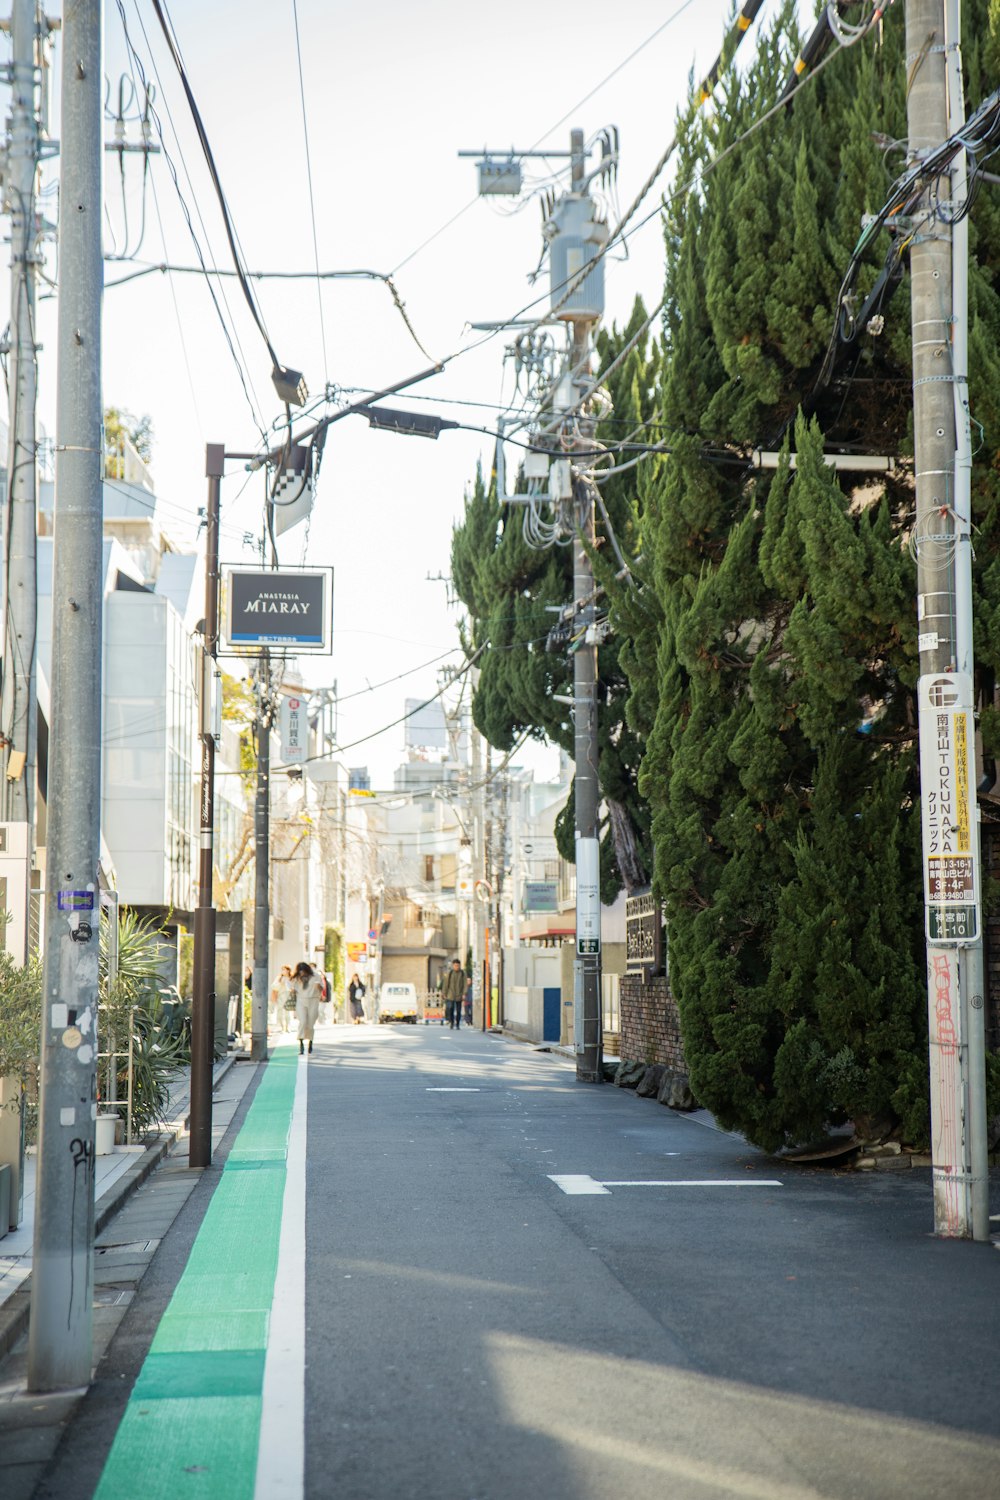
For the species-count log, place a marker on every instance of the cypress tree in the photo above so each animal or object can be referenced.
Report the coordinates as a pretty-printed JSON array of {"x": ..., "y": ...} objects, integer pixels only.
[{"x": 780, "y": 754}]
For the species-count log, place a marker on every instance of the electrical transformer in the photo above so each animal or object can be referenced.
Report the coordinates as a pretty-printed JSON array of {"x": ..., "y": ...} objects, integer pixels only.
[
  {"x": 499, "y": 178},
  {"x": 576, "y": 237}
]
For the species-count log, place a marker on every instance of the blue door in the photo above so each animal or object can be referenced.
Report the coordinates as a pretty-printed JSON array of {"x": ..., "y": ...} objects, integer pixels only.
[{"x": 551, "y": 1007}]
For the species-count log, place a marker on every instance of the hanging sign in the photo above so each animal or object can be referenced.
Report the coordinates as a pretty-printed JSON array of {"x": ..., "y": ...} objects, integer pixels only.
[
  {"x": 293, "y": 729},
  {"x": 289, "y": 607},
  {"x": 948, "y": 807}
]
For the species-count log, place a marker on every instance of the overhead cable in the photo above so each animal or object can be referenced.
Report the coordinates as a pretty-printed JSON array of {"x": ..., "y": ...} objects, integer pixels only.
[
  {"x": 213, "y": 172},
  {"x": 309, "y": 178},
  {"x": 243, "y": 374}
]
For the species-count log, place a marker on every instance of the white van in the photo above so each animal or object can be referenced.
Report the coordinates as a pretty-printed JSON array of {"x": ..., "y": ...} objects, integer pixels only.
[{"x": 398, "y": 1002}]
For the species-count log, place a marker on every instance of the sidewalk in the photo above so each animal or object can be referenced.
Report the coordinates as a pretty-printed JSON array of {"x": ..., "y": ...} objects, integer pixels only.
[
  {"x": 118, "y": 1176},
  {"x": 135, "y": 1210}
]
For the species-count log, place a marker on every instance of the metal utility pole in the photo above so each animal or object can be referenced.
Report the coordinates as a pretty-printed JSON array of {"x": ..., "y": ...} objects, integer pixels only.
[
  {"x": 262, "y": 839},
  {"x": 18, "y": 700},
  {"x": 944, "y": 607},
  {"x": 203, "y": 1005},
  {"x": 60, "y": 1337}
]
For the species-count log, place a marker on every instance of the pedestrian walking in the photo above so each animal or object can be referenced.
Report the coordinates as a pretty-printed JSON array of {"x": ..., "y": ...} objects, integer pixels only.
[
  {"x": 355, "y": 994},
  {"x": 282, "y": 1001},
  {"x": 453, "y": 993},
  {"x": 306, "y": 989},
  {"x": 467, "y": 1001},
  {"x": 324, "y": 999}
]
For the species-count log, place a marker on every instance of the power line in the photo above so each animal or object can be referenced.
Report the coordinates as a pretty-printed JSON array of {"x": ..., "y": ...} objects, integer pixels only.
[
  {"x": 165, "y": 266},
  {"x": 244, "y": 376},
  {"x": 213, "y": 173},
  {"x": 374, "y": 686},
  {"x": 235, "y": 335},
  {"x": 465, "y": 208},
  {"x": 309, "y": 175},
  {"x": 614, "y": 71}
]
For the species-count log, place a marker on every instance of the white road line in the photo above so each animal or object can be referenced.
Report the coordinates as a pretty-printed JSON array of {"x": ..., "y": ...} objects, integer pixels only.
[
  {"x": 281, "y": 1445},
  {"x": 577, "y": 1185},
  {"x": 451, "y": 1091},
  {"x": 703, "y": 1182}
]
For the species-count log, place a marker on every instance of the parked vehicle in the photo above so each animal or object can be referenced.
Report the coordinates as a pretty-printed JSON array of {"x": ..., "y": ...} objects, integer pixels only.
[{"x": 398, "y": 1002}]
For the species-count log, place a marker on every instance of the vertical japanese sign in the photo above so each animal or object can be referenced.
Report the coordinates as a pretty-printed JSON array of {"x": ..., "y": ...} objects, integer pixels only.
[
  {"x": 948, "y": 807},
  {"x": 588, "y": 896},
  {"x": 292, "y": 724}
]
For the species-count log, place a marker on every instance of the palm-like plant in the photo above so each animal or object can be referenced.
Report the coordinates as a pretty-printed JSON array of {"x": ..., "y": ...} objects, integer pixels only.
[{"x": 132, "y": 1008}]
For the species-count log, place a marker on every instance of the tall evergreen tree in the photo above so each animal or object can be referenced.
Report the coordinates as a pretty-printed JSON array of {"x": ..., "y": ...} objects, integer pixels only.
[{"x": 779, "y": 764}]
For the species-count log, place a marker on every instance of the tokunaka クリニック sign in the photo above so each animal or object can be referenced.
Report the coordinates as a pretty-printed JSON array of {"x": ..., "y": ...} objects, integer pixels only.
[
  {"x": 283, "y": 608},
  {"x": 948, "y": 807}
]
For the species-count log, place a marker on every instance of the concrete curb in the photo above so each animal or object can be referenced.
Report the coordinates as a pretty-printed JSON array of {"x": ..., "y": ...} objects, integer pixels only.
[{"x": 15, "y": 1312}]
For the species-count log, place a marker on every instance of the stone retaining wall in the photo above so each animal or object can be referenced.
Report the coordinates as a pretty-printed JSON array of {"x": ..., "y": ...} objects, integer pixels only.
[{"x": 650, "y": 1028}]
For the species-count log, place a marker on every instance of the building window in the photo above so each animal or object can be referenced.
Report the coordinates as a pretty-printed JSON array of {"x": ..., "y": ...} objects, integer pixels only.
[{"x": 428, "y": 867}]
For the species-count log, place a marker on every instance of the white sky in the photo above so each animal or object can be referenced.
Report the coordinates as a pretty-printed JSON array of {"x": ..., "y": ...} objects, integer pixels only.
[{"x": 392, "y": 92}]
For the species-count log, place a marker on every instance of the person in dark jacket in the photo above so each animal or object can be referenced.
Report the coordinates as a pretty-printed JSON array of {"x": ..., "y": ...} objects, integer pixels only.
[
  {"x": 453, "y": 993},
  {"x": 355, "y": 994}
]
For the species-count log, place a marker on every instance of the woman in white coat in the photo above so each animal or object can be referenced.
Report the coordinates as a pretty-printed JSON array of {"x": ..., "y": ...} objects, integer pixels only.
[{"x": 307, "y": 989}]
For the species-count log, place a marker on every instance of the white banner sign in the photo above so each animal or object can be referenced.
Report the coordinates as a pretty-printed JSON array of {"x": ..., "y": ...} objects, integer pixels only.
[
  {"x": 588, "y": 896},
  {"x": 948, "y": 807},
  {"x": 293, "y": 729}
]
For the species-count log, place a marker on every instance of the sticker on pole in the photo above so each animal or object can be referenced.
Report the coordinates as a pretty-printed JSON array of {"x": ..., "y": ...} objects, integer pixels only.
[{"x": 948, "y": 807}]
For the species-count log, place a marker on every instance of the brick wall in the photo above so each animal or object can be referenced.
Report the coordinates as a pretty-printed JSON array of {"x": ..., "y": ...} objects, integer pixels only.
[{"x": 649, "y": 1024}]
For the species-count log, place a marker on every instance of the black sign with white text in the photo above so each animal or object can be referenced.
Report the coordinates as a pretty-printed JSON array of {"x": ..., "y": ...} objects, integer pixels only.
[{"x": 282, "y": 608}]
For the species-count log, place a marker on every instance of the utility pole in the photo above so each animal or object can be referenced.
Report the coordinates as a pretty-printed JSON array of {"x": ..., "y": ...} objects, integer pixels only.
[
  {"x": 587, "y": 795},
  {"x": 18, "y": 700},
  {"x": 490, "y": 894},
  {"x": 971, "y": 967},
  {"x": 480, "y": 983},
  {"x": 262, "y": 839},
  {"x": 938, "y": 268},
  {"x": 587, "y": 964},
  {"x": 203, "y": 1005},
  {"x": 577, "y": 238},
  {"x": 60, "y": 1337}
]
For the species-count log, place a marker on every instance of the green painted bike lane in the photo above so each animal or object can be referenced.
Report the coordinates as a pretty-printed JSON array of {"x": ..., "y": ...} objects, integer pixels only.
[{"x": 192, "y": 1423}]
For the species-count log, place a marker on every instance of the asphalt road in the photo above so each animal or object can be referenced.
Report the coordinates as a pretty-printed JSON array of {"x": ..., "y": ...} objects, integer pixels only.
[{"x": 474, "y": 1332}]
